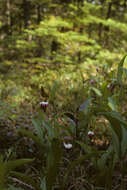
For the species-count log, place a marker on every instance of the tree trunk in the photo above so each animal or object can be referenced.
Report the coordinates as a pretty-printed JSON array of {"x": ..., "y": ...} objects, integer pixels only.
[
  {"x": 106, "y": 28},
  {"x": 26, "y": 12},
  {"x": 109, "y": 11},
  {"x": 8, "y": 14},
  {"x": 101, "y": 27},
  {"x": 38, "y": 14},
  {"x": 125, "y": 3}
]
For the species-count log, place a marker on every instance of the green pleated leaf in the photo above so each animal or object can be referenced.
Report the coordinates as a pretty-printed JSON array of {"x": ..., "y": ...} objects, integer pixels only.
[
  {"x": 11, "y": 165},
  {"x": 53, "y": 162},
  {"x": 112, "y": 104},
  {"x": 116, "y": 121},
  {"x": 86, "y": 106},
  {"x": 125, "y": 71},
  {"x": 71, "y": 129},
  {"x": 3, "y": 175},
  {"x": 120, "y": 70},
  {"x": 124, "y": 141},
  {"x": 39, "y": 129},
  {"x": 116, "y": 142},
  {"x": 97, "y": 92},
  {"x": 101, "y": 163},
  {"x": 104, "y": 176},
  {"x": 50, "y": 130},
  {"x": 7, "y": 167}
]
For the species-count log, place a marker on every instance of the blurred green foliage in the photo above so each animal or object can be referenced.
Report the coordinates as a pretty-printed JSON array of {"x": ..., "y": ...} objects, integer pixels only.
[{"x": 42, "y": 42}]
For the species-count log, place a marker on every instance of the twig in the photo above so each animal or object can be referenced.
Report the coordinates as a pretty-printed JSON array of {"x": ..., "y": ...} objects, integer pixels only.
[{"x": 22, "y": 183}]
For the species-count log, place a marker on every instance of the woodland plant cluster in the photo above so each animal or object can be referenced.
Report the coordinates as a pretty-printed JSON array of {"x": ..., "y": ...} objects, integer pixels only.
[
  {"x": 63, "y": 84},
  {"x": 77, "y": 149}
]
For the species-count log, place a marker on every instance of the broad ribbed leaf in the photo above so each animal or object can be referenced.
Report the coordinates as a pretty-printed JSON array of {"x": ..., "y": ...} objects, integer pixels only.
[
  {"x": 50, "y": 130},
  {"x": 3, "y": 175},
  {"x": 54, "y": 159},
  {"x": 104, "y": 176},
  {"x": 97, "y": 92},
  {"x": 6, "y": 167},
  {"x": 38, "y": 128},
  {"x": 102, "y": 161},
  {"x": 125, "y": 71},
  {"x": 72, "y": 126},
  {"x": 120, "y": 70},
  {"x": 124, "y": 141},
  {"x": 112, "y": 104},
  {"x": 11, "y": 165},
  {"x": 85, "y": 106},
  {"x": 116, "y": 142},
  {"x": 116, "y": 121}
]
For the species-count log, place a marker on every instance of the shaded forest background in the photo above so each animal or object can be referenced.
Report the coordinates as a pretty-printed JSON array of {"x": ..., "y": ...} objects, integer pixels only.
[{"x": 67, "y": 41}]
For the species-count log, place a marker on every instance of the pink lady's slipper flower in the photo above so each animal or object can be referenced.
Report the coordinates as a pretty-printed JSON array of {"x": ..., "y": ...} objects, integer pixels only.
[
  {"x": 92, "y": 82},
  {"x": 44, "y": 105},
  {"x": 108, "y": 86},
  {"x": 90, "y": 134},
  {"x": 67, "y": 145}
]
